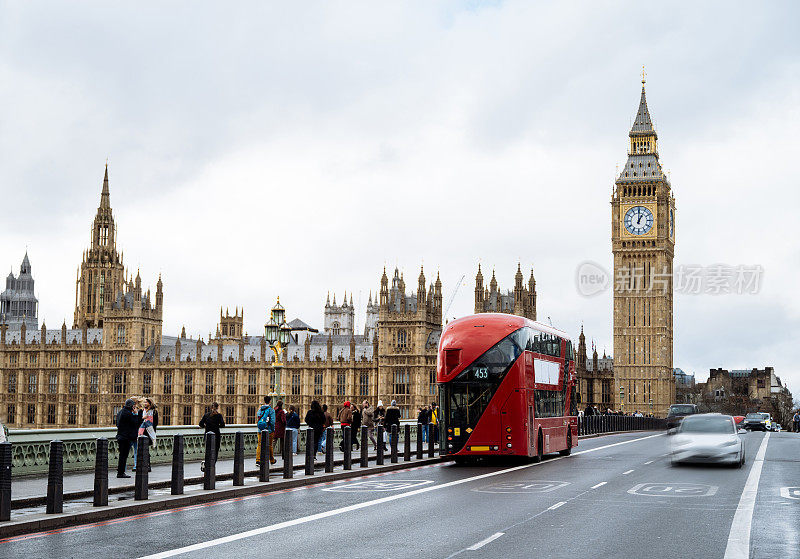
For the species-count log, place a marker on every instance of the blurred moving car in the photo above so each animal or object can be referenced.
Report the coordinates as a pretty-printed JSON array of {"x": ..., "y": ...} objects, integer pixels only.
[
  {"x": 678, "y": 412},
  {"x": 708, "y": 437},
  {"x": 757, "y": 421}
]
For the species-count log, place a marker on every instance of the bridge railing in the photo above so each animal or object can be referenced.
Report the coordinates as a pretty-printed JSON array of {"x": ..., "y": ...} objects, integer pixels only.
[
  {"x": 30, "y": 452},
  {"x": 597, "y": 424}
]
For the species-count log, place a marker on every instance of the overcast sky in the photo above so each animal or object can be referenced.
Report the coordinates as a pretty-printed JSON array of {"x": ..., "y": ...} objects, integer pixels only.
[{"x": 263, "y": 149}]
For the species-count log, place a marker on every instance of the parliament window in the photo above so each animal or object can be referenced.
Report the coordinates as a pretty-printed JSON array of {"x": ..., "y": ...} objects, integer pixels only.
[
  {"x": 340, "y": 384},
  {"x": 251, "y": 383},
  {"x": 94, "y": 383},
  {"x": 54, "y": 360},
  {"x": 401, "y": 382},
  {"x": 209, "y": 383},
  {"x": 93, "y": 414},
  {"x": 166, "y": 415},
  {"x": 230, "y": 387},
  {"x": 271, "y": 380},
  {"x": 120, "y": 334},
  {"x": 317, "y": 384},
  {"x": 12, "y": 382},
  {"x": 95, "y": 359},
  {"x": 402, "y": 339},
  {"x": 167, "y": 383},
  {"x": 187, "y": 415},
  {"x": 229, "y": 415},
  {"x": 188, "y": 383},
  {"x": 52, "y": 385},
  {"x": 32, "y": 382},
  {"x": 31, "y": 413},
  {"x": 251, "y": 414},
  {"x": 363, "y": 384},
  {"x": 51, "y": 414},
  {"x": 147, "y": 383},
  {"x": 73, "y": 383},
  {"x": 295, "y": 384},
  {"x": 72, "y": 414},
  {"x": 11, "y": 413},
  {"x": 120, "y": 383},
  {"x": 432, "y": 385},
  {"x": 73, "y": 359}
]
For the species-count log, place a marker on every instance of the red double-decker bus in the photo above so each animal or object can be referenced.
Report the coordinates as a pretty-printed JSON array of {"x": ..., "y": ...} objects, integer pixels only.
[{"x": 507, "y": 387}]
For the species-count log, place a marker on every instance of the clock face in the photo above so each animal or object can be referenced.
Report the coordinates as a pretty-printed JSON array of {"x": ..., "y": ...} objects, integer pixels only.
[{"x": 638, "y": 220}]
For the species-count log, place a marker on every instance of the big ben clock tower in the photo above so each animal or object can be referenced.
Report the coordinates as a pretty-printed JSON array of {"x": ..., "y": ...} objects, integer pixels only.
[{"x": 643, "y": 243}]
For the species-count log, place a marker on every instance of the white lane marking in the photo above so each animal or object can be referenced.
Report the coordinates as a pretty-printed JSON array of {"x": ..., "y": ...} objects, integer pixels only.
[
  {"x": 739, "y": 538},
  {"x": 365, "y": 504},
  {"x": 626, "y": 473},
  {"x": 601, "y": 484},
  {"x": 790, "y": 492},
  {"x": 481, "y": 543},
  {"x": 554, "y": 507},
  {"x": 649, "y": 462}
]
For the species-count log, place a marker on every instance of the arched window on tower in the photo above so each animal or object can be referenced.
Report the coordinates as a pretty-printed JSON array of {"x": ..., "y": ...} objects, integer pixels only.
[
  {"x": 402, "y": 339},
  {"x": 335, "y": 328}
]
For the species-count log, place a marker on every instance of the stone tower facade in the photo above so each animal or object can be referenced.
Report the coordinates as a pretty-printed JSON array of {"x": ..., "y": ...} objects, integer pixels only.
[
  {"x": 102, "y": 274},
  {"x": 409, "y": 328},
  {"x": 18, "y": 303},
  {"x": 339, "y": 319},
  {"x": 643, "y": 244},
  {"x": 521, "y": 301}
]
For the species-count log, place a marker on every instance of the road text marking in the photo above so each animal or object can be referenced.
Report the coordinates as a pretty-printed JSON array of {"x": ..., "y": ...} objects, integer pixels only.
[
  {"x": 481, "y": 543},
  {"x": 377, "y": 485},
  {"x": 536, "y": 486},
  {"x": 673, "y": 490},
  {"x": 379, "y": 501},
  {"x": 790, "y": 492},
  {"x": 739, "y": 538}
]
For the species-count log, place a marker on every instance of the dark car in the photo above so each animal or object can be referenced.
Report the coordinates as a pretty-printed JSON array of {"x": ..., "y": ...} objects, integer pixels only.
[
  {"x": 678, "y": 412},
  {"x": 757, "y": 421}
]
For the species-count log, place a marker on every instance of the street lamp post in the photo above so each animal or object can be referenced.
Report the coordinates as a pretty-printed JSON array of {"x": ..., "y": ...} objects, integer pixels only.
[
  {"x": 622, "y": 398},
  {"x": 277, "y": 333}
]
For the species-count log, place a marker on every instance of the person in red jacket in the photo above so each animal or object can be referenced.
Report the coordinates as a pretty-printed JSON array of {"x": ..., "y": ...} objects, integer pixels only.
[
  {"x": 280, "y": 428},
  {"x": 346, "y": 419}
]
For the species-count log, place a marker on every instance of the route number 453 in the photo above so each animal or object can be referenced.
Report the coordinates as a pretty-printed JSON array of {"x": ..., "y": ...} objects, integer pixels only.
[{"x": 482, "y": 373}]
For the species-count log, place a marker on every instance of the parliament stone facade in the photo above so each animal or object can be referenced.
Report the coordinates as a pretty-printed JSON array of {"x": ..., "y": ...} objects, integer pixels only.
[{"x": 80, "y": 376}]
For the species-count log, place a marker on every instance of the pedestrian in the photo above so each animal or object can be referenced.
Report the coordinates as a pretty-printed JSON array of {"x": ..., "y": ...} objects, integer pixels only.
[
  {"x": 315, "y": 419},
  {"x": 328, "y": 423},
  {"x": 391, "y": 418},
  {"x": 3, "y": 435},
  {"x": 368, "y": 419},
  {"x": 796, "y": 420},
  {"x": 380, "y": 414},
  {"x": 293, "y": 426},
  {"x": 423, "y": 418},
  {"x": 127, "y": 431},
  {"x": 212, "y": 422},
  {"x": 280, "y": 427},
  {"x": 265, "y": 423},
  {"x": 435, "y": 421},
  {"x": 346, "y": 420},
  {"x": 146, "y": 419},
  {"x": 355, "y": 427}
]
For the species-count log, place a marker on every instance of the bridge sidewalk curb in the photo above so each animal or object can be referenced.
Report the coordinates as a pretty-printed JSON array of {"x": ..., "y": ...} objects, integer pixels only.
[{"x": 44, "y": 522}]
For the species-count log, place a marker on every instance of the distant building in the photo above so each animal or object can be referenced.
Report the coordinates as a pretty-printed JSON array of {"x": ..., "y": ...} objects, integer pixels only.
[
  {"x": 756, "y": 384},
  {"x": 18, "y": 304},
  {"x": 521, "y": 301},
  {"x": 682, "y": 379},
  {"x": 595, "y": 377}
]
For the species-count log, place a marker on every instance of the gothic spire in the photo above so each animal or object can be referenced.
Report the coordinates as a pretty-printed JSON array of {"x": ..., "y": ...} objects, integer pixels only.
[
  {"x": 642, "y": 124},
  {"x": 105, "y": 197}
]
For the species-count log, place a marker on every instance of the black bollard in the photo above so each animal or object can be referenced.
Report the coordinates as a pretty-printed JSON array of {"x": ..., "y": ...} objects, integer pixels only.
[
  {"x": 364, "y": 447},
  {"x": 5, "y": 481},
  {"x": 142, "y": 466},
  {"x": 263, "y": 457},
  {"x": 288, "y": 455},
  {"x": 101, "y": 473},
  {"x": 407, "y": 447},
  {"x": 55, "y": 478},
  {"x": 176, "y": 487},
  {"x": 393, "y": 435},
  {"x": 420, "y": 427},
  {"x": 347, "y": 441},
  {"x": 311, "y": 451},
  {"x": 379, "y": 459},
  {"x": 238, "y": 459},
  {"x": 430, "y": 441},
  {"x": 329, "y": 450},
  {"x": 210, "y": 471}
]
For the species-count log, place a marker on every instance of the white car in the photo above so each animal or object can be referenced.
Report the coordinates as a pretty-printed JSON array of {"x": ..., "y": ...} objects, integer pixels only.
[{"x": 707, "y": 437}]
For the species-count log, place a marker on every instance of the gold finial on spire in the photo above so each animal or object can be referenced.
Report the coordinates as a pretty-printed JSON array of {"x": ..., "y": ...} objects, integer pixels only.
[{"x": 644, "y": 74}]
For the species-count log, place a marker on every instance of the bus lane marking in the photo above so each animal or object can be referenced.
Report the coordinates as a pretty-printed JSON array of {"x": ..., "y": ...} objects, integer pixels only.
[
  {"x": 358, "y": 506},
  {"x": 674, "y": 490},
  {"x": 790, "y": 492},
  {"x": 739, "y": 539},
  {"x": 377, "y": 485},
  {"x": 533, "y": 486}
]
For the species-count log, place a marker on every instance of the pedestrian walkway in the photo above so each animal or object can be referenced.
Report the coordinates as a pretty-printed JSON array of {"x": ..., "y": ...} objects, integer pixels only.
[{"x": 36, "y": 486}]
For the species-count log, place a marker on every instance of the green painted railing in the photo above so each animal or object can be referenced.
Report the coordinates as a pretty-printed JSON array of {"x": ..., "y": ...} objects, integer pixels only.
[{"x": 30, "y": 450}]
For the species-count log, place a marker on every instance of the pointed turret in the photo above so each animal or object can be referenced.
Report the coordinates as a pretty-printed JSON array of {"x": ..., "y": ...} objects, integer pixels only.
[
  {"x": 105, "y": 196},
  {"x": 421, "y": 289}
]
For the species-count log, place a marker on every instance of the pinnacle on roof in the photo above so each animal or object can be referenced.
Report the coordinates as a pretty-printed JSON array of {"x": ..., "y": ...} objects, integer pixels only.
[{"x": 105, "y": 198}]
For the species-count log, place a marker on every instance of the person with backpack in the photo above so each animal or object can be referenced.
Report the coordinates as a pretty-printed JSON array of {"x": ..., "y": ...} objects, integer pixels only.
[
  {"x": 293, "y": 426},
  {"x": 328, "y": 423},
  {"x": 212, "y": 422},
  {"x": 391, "y": 418},
  {"x": 266, "y": 426}
]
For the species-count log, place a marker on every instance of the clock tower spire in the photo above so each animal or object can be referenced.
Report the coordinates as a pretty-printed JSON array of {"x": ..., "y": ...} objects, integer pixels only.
[{"x": 643, "y": 244}]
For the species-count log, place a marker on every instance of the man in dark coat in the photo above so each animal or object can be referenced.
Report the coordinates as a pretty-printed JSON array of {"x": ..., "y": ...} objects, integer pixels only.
[{"x": 127, "y": 432}]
